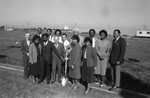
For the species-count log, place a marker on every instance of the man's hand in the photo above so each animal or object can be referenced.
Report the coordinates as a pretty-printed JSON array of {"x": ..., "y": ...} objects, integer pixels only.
[
  {"x": 118, "y": 63},
  {"x": 62, "y": 59},
  {"x": 27, "y": 54},
  {"x": 66, "y": 59},
  {"x": 94, "y": 68},
  {"x": 101, "y": 58},
  {"x": 72, "y": 67}
]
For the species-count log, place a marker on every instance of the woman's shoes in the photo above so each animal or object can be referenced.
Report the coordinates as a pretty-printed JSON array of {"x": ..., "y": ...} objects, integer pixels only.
[
  {"x": 75, "y": 87},
  {"x": 72, "y": 86},
  {"x": 87, "y": 91},
  {"x": 101, "y": 85},
  {"x": 34, "y": 80}
]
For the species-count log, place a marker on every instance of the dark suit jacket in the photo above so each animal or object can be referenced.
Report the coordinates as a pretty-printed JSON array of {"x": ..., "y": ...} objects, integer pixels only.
[
  {"x": 91, "y": 56},
  {"x": 46, "y": 52},
  {"x": 24, "y": 49},
  {"x": 118, "y": 51},
  {"x": 60, "y": 49},
  {"x": 75, "y": 56}
]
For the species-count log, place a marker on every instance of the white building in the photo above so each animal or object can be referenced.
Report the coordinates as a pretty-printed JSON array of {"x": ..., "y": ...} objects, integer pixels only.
[
  {"x": 142, "y": 33},
  {"x": 9, "y": 29},
  {"x": 66, "y": 28}
]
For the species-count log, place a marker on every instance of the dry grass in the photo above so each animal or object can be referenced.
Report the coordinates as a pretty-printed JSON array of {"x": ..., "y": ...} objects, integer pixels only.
[
  {"x": 13, "y": 86},
  {"x": 135, "y": 71}
]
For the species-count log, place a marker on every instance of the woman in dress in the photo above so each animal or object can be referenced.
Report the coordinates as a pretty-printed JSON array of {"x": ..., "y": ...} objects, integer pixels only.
[
  {"x": 34, "y": 58},
  {"x": 89, "y": 58},
  {"x": 102, "y": 49},
  {"x": 75, "y": 61}
]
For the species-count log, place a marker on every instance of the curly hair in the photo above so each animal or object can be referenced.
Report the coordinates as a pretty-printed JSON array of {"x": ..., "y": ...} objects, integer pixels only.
[
  {"x": 88, "y": 39},
  {"x": 35, "y": 37},
  {"x": 76, "y": 37},
  {"x": 103, "y": 31}
]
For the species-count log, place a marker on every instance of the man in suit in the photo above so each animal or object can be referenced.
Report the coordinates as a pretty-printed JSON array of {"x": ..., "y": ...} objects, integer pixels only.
[
  {"x": 25, "y": 51},
  {"x": 67, "y": 48},
  {"x": 49, "y": 31},
  {"x": 92, "y": 36},
  {"x": 39, "y": 31},
  {"x": 56, "y": 62},
  {"x": 46, "y": 57},
  {"x": 117, "y": 58}
]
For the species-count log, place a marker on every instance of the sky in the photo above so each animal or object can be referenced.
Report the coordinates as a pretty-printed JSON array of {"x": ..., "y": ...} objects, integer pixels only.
[{"x": 85, "y": 13}]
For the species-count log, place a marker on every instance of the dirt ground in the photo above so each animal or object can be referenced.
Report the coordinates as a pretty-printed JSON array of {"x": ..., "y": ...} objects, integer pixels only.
[{"x": 12, "y": 85}]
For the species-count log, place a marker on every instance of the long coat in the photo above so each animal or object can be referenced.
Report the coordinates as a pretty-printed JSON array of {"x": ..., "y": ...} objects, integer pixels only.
[
  {"x": 25, "y": 50},
  {"x": 75, "y": 56},
  {"x": 33, "y": 53},
  {"x": 75, "y": 59}
]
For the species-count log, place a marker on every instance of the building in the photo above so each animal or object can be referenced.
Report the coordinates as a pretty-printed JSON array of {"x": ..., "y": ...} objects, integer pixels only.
[{"x": 143, "y": 33}]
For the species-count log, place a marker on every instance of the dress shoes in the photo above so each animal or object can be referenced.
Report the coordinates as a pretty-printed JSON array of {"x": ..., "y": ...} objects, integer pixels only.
[
  {"x": 52, "y": 82},
  {"x": 75, "y": 87},
  {"x": 39, "y": 81},
  {"x": 59, "y": 81},
  {"x": 48, "y": 82},
  {"x": 113, "y": 88}
]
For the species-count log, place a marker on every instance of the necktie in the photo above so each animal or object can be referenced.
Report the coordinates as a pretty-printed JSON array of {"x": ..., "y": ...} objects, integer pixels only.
[
  {"x": 85, "y": 53},
  {"x": 56, "y": 45},
  {"x": 93, "y": 42},
  {"x": 45, "y": 43}
]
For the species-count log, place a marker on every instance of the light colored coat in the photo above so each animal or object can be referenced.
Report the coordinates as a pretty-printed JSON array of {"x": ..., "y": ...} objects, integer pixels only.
[{"x": 33, "y": 53}]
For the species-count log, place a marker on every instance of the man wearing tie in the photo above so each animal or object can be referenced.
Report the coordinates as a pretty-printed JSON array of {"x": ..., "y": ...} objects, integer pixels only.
[
  {"x": 49, "y": 31},
  {"x": 46, "y": 57},
  {"x": 39, "y": 30},
  {"x": 56, "y": 62},
  {"x": 92, "y": 36},
  {"x": 25, "y": 51},
  {"x": 117, "y": 58}
]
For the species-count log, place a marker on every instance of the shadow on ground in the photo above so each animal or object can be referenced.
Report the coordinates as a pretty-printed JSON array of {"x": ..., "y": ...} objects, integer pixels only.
[
  {"x": 133, "y": 60},
  {"x": 130, "y": 83},
  {"x": 3, "y": 56}
]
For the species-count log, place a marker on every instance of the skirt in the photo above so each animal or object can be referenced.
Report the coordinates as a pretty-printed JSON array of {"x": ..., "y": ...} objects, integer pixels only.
[
  {"x": 87, "y": 73},
  {"x": 75, "y": 73},
  {"x": 34, "y": 69}
]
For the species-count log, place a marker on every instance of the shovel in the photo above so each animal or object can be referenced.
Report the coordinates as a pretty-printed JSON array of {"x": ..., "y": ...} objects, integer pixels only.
[{"x": 65, "y": 79}]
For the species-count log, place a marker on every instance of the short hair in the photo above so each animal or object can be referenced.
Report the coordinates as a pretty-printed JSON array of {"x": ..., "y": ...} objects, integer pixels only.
[
  {"x": 45, "y": 34},
  {"x": 56, "y": 37},
  {"x": 64, "y": 34},
  {"x": 39, "y": 28},
  {"x": 76, "y": 37},
  {"x": 27, "y": 33},
  {"x": 75, "y": 29},
  {"x": 88, "y": 39},
  {"x": 103, "y": 31},
  {"x": 35, "y": 37},
  {"x": 57, "y": 30},
  {"x": 119, "y": 32},
  {"x": 92, "y": 30},
  {"x": 49, "y": 30}
]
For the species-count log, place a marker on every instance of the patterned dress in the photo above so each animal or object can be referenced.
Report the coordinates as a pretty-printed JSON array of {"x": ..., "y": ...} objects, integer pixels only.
[{"x": 102, "y": 49}]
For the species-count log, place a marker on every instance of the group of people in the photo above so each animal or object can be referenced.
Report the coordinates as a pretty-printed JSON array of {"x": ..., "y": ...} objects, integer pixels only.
[{"x": 87, "y": 58}]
